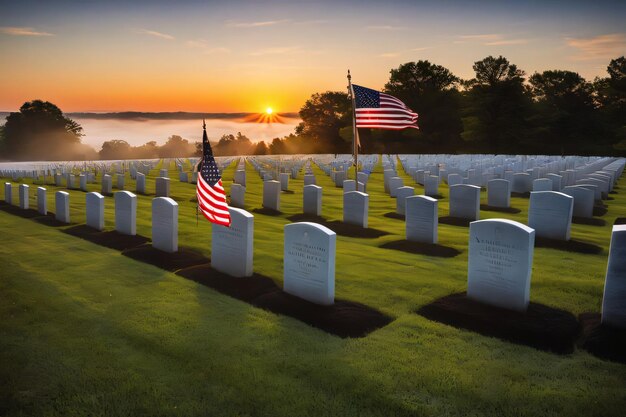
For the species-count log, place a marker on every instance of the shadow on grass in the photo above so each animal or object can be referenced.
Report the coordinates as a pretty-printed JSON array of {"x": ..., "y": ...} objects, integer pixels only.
[
  {"x": 600, "y": 340},
  {"x": 599, "y": 211},
  {"x": 591, "y": 221},
  {"x": 511, "y": 210},
  {"x": 339, "y": 227},
  {"x": 455, "y": 221},
  {"x": 394, "y": 215},
  {"x": 521, "y": 195},
  {"x": 541, "y": 327},
  {"x": 17, "y": 211},
  {"x": 421, "y": 248},
  {"x": 267, "y": 211},
  {"x": 619, "y": 220},
  {"x": 288, "y": 192},
  {"x": 111, "y": 239},
  {"x": 343, "y": 319},
  {"x": 184, "y": 258},
  {"x": 568, "y": 245},
  {"x": 50, "y": 220}
]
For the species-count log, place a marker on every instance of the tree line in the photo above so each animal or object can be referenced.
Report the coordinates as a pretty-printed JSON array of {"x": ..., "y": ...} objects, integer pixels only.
[{"x": 500, "y": 110}]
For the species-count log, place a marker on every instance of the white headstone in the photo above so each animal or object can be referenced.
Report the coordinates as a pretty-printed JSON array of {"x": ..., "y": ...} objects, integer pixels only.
[
  {"x": 8, "y": 192},
  {"x": 431, "y": 185},
  {"x": 394, "y": 184},
  {"x": 614, "y": 300},
  {"x": 499, "y": 193},
  {"x": 500, "y": 263},
  {"x": 421, "y": 219},
  {"x": 583, "y": 200},
  {"x": 23, "y": 190},
  {"x": 237, "y": 195},
  {"x": 521, "y": 183},
  {"x": 401, "y": 195},
  {"x": 349, "y": 185},
  {"x": 94, "y": 204},
  {"x": 42, "y": 202},
  {"x": 542, "y": 184},
  {"x": 454, "y": 179},
  {"x": 165, "y": 224},
  {"x": 240, "y": 177},
  {"x": 163, "y": 173},
  {"x": 62, "y": 206},
  {"x": 312, "y": 200},
  {"x": 140, "y": 186},
  {"x": 82, "y": 178},
  {"x": 126, "y": 213},
  {"x": 271, "y": 195},
  {"x": 556, "y": 182},
  {"x": 162, "y": 187},
  {"x": 309, "y": 259},
  {"x": 355, "y": 208},
  {"x": 309, "y": 179},
  {"x": 284, "y": 181},
  {"x": 232, "y": 247},
  {"x": 550, "y": 214},
  {"x": 465, "y": 201},
  {"x": 107, "y": 186}
]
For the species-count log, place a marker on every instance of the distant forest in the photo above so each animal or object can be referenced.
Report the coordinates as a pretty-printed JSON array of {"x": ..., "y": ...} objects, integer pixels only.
[{"x": 501, "y": 110}]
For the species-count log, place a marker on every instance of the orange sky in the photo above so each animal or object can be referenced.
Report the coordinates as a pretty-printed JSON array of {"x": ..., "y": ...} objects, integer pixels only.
[{"x": 247, "y": 56}]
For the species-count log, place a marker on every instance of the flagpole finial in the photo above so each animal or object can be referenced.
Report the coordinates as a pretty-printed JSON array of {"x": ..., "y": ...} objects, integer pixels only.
[
  {"x": 203, "y": 124},
  {"x": 349, "y": 76}
]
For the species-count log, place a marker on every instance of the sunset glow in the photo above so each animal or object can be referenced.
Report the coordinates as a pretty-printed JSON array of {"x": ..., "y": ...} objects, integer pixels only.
[
  {"x": 226, "y": 57},
  {"x": 268, "y": 111}
]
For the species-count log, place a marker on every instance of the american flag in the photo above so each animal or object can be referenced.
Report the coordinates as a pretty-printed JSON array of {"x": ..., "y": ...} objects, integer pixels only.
[
  {"x": 381, "y": 111},
  {"x": 209, "y": 190}
]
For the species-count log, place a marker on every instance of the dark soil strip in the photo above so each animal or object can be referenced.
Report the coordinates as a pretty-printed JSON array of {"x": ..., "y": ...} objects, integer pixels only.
[
  {"x": 341, "y": 228},
  {"x": 111, "y": 239},
  {"x": 343, "y": 319},
  {"x": 599, "y": 211},
  {"x": 568, "y": 245},
  {"x": 266, "y": 211},
  {"x": 591, "y": 221},
  {"x": 620, "y": 220},
  {"x": 184, "y": 258},
  {"x": 455, "y": 221},
  {"x": 521, "y": 195},
  {"x": 511, "y": 210},
  {"x": 600, "y": 340},
  {"x": 421, "y": 248},
  {"x": 541, "y": 327},
  {"x": 394, "y": 215}
]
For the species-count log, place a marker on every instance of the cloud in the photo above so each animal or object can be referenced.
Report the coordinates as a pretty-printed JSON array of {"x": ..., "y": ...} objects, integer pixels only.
[
  {"x": 255, "y": 24},
  {"x": 508, "y": 42},
  {"x": 598, "y": 47},
  {"x": 389, "y": 55},
  {"x": 280, "y": 50},
  {"x": 206, "y": 48},
  {"x": 22, "y": 31},
  {"x": 420, "y": 49},
  {"x": 386, "y": 28},
  {"x": 155, "y": 34},
  {"x": 490, "y": 39}
]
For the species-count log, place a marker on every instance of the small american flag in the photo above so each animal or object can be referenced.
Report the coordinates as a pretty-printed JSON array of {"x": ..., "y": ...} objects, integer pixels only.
[
  {"x": 381, "y": 111},
  {"x": 209, "y": 190}
]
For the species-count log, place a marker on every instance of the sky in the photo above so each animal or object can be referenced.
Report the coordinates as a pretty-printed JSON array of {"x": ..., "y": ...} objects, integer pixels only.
[{"x": 245, "y": 56}]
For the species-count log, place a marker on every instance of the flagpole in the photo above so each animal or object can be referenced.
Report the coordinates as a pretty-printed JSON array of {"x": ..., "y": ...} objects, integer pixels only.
[{"x": 355, "y": 131}]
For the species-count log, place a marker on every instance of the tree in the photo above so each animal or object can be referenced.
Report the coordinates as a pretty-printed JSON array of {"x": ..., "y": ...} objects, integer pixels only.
[
  {"x": 496, "y": 107},
  {"x": 566, "y": 109},
  {"x": 40, "y": 131},
  {"x": 611, "y": 96},
  {"x": 323, "y": 115},
  {"x": 115, "y": 149},
  {"x": 431, "y": 91},
  {"x": 260, "y": 148},
  {"x": 277, "y": 147},
  {"x": 176, "y": 146}
]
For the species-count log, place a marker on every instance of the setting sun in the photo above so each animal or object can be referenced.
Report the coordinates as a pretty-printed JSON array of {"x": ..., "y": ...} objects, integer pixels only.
[{"x": 268, "y": 110}]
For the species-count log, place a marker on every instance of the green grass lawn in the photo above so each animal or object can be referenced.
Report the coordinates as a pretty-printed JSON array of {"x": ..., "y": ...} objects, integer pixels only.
[{"x": 86, "y": 331}]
